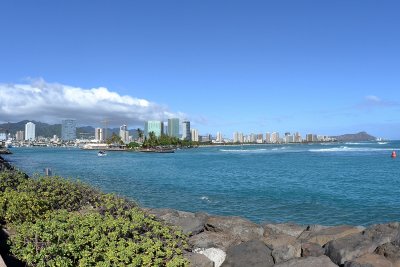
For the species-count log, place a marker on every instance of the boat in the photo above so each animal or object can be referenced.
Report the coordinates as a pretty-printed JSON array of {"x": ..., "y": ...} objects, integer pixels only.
[{"x": 101, "y": 153}]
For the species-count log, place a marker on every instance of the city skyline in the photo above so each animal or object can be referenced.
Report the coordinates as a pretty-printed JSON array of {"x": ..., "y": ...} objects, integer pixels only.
[{"x": 248, "y": 67}]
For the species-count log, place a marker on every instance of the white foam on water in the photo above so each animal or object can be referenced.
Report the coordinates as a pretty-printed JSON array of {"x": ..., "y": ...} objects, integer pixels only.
[
  {"x": 349, "y": 149},
  {"x": 382, "y": 143},
  {"x": 244, "y": 150},
  {"x": 205, "y": 198}
]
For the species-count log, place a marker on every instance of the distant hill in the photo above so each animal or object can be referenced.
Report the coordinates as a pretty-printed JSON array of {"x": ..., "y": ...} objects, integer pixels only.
[
  {"x": 42, "y": 129},
  {"x": 358, "y": 137},
  {"x": 49, "y": 130}
]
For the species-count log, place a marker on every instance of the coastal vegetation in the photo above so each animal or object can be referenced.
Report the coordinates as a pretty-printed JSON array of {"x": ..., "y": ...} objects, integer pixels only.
[
  {"x": 58, "y": 222},
  {"x": 165, "y": 140}
]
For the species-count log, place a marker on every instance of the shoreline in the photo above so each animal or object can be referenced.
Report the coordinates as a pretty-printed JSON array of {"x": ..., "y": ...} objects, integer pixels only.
[{"x": 235, "y": 241}]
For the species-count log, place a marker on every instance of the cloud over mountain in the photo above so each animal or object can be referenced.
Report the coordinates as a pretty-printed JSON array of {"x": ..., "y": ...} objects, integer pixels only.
[{"x": 52, "y": 102}]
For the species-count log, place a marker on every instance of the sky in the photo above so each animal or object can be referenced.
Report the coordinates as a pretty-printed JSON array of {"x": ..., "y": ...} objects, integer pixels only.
[{"x": 323, "y": 67}]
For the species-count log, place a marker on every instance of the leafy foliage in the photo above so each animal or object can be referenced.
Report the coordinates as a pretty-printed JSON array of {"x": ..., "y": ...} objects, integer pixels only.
[
  {"x": 11, "y": 179},
  {"x": 60, "y": 222}
]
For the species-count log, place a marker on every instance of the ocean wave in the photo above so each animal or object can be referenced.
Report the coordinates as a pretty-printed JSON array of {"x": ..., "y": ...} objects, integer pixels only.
[
  {"x": 349, "y": 149},
  {"x": 244, "y": 150},
  {"x": 205, "y": 198},
  {"x": 382, "y": 143},
  {"x": 357, "y": 143}
]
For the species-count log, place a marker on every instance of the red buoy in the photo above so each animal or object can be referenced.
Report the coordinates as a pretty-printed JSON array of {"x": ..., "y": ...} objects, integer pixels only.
[{"x": 393, "y": 154}]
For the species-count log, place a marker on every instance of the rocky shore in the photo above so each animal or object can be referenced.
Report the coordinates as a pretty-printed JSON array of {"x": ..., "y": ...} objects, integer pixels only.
[{"x": 234, "y": 241}]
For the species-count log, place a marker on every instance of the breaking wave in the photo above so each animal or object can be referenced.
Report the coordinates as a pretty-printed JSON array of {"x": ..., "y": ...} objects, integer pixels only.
[{"x": 349, "y": 149}]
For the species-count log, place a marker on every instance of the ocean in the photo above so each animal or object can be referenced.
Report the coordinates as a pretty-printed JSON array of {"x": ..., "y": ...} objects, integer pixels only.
[{"x": 329, "y": 184}]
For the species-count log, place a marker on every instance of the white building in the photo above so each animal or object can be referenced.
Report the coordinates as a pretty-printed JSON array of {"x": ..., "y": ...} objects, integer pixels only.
[
  {"x": 99, "y": 134},
  {"x": 124, "y": 134},
  {"x": 195, "y": 135},
  {"x": 267, "y": 137},
  {"x": 275, "y": 137},
  {"x": 30, "y": 131},
  {"x": 219, "y": 137},
  {"x": 20, "y": 136}
]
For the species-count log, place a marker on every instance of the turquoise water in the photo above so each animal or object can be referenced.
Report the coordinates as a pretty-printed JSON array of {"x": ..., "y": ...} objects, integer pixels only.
[{"x": 343, "y": 183}]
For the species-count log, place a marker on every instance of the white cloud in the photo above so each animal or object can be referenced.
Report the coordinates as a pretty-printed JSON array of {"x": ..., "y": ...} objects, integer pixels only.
[
  {"x": 373, "y": 98},
  {"x": 52, "y": 102},
  {"x": 371, "y": 102}
]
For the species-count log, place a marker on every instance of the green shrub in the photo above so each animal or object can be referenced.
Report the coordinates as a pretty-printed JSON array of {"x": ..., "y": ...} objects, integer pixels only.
[
  {"x": 11, "y": 179},
  {"x": 61, "y": 193},
  {"x": 17, "y": 207},
  {"x": 64, "y": 238},
  {"x": 61, "y": 222}
]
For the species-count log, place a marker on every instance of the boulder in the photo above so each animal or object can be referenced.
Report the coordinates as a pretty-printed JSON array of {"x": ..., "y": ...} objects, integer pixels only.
[
  {"x": 369, "y": 260},
  {"x": 215, "y": 255},
  {"x": 310, "y": 229},
  {"x": 355, "y": 245},
  {"x": 311, "y": 250},
  {"x": 285, "y": 253},
  {"x": 213, "y": 240},
  {"x": 391, "y": 251},
  {"x": 323, "y": 236},
  {"x": 321, "y": 261},
  {"x": 283, "y": 228},
  {"x": 189, "y": 222},
  {"x": 283, "y": 243},
  {"x": 235, "y": 226},
  {"x": 252, "y": 254},
  {"x": 198, "y": 260}
]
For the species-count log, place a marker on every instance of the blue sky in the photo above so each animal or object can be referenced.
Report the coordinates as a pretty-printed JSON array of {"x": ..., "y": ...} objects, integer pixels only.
[{"x": 327, "y": 67}]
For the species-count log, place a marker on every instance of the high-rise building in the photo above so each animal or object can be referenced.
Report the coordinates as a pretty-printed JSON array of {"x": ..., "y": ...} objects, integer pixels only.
[
  {"x": 309, "y": 137},
  {"x": 297, "y": 137},
  {"x": 236, "y": 137},
  {"x": 186, "y": 134},
  {"x": 99, "y": 134},
  {"x": 275, "y": 138},
  {"x": 30, "y": 131},
  {"x": 195, "y": 135},
  {"x": 156, "y": 127},
  {"x": 19, "y": 136},
  {"x": 68, "y": 130},
  {"x": 124, "y": 134},
  {"x": 268, "y": 137},
  {"x": 3, "y": 136},
  {"x": 219, "y": 137},
  {"x": 260, "y": 139},
  {"x": 173, "y": 127}
]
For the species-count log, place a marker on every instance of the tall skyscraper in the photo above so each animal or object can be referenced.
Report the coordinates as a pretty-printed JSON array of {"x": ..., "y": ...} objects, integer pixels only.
[
  {"x": 156, "y": 127},
  {"x": 275, "y": 137},
  {"x": 219, "y": 137},
  {"x": 268, "y": 137},
  {"x": 68, "y": 130},
  {"x": 19, "y": 136},
  {"x": 236, "y": 137},
  {"x": 195, "y": 135},
  {"x": 99, "y": 134},
  {"x": 124, "y": 134},
  {"x": 30, "y": 131},
  {"x": 173, "y": 127},
  {"x": 186, "y": 135}
]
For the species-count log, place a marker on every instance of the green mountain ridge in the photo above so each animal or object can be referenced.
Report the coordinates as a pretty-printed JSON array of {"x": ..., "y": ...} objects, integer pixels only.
[{"x": 49, "y": 130}]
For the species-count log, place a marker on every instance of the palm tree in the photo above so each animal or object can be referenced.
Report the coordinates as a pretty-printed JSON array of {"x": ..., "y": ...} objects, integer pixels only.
[{"x": 140, "y": 134}]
